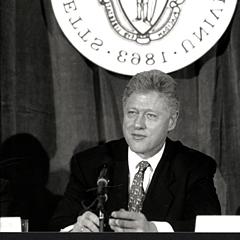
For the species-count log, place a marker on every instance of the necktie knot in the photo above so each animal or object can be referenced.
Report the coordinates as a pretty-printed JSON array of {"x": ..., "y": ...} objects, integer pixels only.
[{"x": 143, "y": 165}]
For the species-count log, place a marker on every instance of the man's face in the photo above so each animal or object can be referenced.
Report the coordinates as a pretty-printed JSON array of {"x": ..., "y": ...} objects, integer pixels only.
[{"x": 147, "y": 120}]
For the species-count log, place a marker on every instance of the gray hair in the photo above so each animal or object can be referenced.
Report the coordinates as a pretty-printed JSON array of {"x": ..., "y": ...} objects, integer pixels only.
[{"x": 153, "y": 80}]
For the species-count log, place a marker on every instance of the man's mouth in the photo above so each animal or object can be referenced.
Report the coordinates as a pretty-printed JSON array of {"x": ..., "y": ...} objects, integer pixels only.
[{"x": 138, "y": 137}]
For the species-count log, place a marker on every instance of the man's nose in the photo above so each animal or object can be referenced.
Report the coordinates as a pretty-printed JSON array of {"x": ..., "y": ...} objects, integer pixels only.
[{"x": 140, "y": 122}]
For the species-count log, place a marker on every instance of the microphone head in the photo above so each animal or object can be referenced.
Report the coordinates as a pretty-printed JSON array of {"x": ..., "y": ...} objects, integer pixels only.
[
  {"x": 103, "y": 172},
  {"x": 102, "y": 181}
]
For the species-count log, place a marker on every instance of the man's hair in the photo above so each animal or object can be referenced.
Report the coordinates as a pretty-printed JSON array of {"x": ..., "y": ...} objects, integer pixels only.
[{"x": 153, "y": 80}]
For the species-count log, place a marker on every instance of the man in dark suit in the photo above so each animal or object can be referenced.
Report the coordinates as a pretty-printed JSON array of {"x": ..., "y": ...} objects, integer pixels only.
[{"x": 177, "y": 181}]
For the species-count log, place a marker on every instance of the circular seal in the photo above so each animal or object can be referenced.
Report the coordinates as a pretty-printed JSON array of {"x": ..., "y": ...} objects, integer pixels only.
[{"x": 127, "y": 37}]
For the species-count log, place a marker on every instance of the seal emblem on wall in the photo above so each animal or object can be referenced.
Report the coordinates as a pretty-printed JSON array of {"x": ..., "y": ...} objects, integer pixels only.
[
  {"x": 142, "y": 20},
  {"x": 129, "y": 36}
]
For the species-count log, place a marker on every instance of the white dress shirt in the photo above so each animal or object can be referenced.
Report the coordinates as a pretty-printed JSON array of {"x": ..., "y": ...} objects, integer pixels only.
[{"x": 133, "y": 162}]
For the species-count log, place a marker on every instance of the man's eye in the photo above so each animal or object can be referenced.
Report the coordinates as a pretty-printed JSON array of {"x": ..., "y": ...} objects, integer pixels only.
[
  {"x": 151, "y": 116},
  {"x": 131, "y": 113}
]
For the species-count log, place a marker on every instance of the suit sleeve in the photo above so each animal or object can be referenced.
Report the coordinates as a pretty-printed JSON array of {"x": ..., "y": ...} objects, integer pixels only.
[
  {"x": 72, "y": 204},
  {"x": 201, "y": 197}
]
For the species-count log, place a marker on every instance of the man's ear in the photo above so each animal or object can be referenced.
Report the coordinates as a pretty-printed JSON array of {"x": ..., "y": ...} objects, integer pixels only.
[{"x": 173, "y": 121}]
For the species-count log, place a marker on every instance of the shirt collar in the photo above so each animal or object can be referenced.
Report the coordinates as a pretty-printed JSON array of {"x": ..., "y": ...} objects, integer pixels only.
[{"x": 134, "y": 159}]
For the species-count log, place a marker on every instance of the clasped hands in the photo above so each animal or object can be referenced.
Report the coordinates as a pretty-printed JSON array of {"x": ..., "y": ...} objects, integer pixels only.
[{"x": 120, "y": 221}]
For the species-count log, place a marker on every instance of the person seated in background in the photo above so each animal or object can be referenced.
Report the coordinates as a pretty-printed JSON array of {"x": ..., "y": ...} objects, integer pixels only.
[
  {"x": 24, "y": 163},
  {"x": 155, "y": 184}
]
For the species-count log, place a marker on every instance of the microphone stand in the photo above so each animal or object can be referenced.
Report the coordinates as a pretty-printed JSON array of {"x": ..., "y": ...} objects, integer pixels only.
[{"x": 102, "y": 198}]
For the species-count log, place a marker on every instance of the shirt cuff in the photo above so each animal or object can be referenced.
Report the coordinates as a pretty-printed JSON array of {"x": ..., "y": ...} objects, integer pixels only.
[
  {"x": 163, "y": 226},
  {"x": 67, "y": 229}
]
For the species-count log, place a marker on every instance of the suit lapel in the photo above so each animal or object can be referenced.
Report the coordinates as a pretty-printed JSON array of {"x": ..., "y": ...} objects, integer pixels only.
[
  {"x": 118, "y": 185},
  {"x": 160, "y": 193}
]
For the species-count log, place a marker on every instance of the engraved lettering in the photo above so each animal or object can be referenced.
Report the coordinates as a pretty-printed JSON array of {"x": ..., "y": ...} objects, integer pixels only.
[
  {"x": 121, "y": 56},
  {"x": 150, "y": 59},
  {"x": 135, "y": 58},
  {"x": 70, "y": 6},
  {"x": 200, "y": 36},
  {"x": 214, "y": 12},
  {"x": 96, "y": 44},
  {"x": 84, "y": 35},
  {"x": 187, "y": 43},
  {"x": 210, "y": 24},
  {"x": 75, "y": 22},
  {"x": 163, "y": 57}
]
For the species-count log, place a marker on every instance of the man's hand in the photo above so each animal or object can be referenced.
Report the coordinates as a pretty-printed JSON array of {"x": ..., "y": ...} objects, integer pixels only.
[
  {"x": 87, "y": 222},
  {"x": 124, "y": 221}
]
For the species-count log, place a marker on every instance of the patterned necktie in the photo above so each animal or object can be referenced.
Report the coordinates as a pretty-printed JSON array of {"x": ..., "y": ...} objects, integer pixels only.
[{"x": 137, "y": 194}]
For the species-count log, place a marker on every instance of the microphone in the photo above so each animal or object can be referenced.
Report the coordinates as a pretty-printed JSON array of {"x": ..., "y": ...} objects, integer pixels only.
[{"x": 102, "y": 181}]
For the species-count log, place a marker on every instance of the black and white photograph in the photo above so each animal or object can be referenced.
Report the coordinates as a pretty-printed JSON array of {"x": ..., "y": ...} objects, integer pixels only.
[{"x": 119, "y": 117}]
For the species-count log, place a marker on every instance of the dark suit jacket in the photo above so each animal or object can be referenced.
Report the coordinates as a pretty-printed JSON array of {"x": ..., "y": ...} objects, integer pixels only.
[{"x": 181, "y": 188}]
